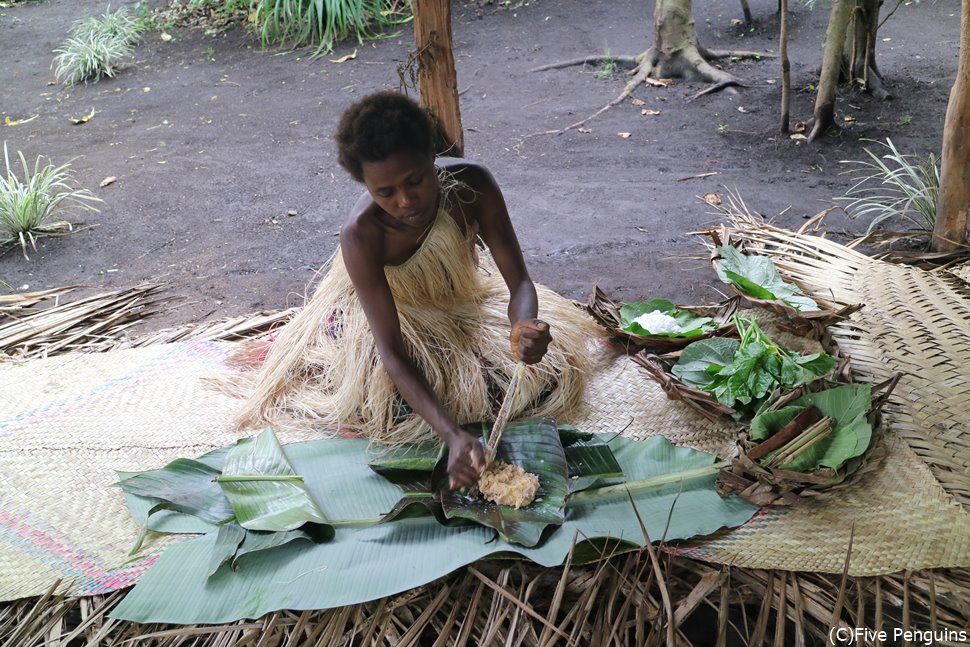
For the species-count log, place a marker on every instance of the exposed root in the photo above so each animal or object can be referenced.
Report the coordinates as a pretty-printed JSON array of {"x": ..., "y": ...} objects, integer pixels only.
[
  {"x": 717, "y": 87},
  {"x": 688, "y": 65},
  {"x": 626, "y": 62},
  {"x": 717, "y": 54}
]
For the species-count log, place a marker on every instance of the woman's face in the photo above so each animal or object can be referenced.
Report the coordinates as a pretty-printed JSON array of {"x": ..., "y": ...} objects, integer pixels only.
[{"x": 405, "y": 186}]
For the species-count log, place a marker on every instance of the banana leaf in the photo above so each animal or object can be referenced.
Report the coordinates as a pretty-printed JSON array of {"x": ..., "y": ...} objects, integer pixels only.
[
  {"x": 590, "y": 464},
  {"x": 691, "y": 324},
  {"x": 534, "y": 446},
  {"x": 758, "y": 277},
  {"x": 367, "y": 561},
  {"x": 263, "y": 490},
  {"x": 847, "y": 405},
  {"x": 184, "y": 485},
  {"x": 233, "y": 541}
]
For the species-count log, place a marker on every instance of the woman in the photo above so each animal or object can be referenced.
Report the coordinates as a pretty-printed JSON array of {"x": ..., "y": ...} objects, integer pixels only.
[{"x": 408, "y": 334}]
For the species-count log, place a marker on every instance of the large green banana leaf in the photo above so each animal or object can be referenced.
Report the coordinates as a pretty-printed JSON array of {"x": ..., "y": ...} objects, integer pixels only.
[
  {"x": 366, "y": 560},
  {"x": 264, "y": 491}
]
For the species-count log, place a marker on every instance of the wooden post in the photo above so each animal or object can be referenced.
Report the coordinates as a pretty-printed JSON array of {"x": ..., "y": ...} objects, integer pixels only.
[
  {"x": 437, "y": 78},
  {"x": 950, "y": 230}
]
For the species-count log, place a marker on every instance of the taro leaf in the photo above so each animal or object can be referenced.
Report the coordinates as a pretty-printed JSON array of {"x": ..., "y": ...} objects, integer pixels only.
[
  {"x": 758, "y": 277},
  {"x": 690, "y": 323},
  {"x": 534, "y": 446},
  {"x": 701, "y": 360},
  {"x": 590, "y": 464},
  {"x": 186, "y": 486},
  {"x": 263, "y": 490}
]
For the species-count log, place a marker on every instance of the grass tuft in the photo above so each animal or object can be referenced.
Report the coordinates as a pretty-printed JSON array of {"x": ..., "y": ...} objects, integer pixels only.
[
  {"x": 893, "y": 187},
  {"x": 95, "y": 46},
  {"x": 325, "y": 22},
  {"x": 30, "y": 208}
]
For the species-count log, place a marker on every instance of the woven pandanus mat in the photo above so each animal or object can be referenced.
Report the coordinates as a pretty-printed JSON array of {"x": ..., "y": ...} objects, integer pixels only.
[{"x": 66, "y": 424}]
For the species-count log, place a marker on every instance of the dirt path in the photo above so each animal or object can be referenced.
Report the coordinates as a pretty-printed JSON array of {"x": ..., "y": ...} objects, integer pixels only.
[{"x": 214, "y": 141}]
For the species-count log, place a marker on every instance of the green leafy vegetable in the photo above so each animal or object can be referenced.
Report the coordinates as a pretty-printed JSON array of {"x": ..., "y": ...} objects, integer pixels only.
[
  {"x": 691, "y": 324},
  {"x": 759, "y": 366},
  {"x": 758, "y": 277}
]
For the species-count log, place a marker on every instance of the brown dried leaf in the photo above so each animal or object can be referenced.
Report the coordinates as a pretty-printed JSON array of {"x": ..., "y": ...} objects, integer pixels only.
[
  {"x": 799, "y": 127},
  {"x": 625, "y": 135},
  {"x": 713, "y": 199},
  {"x": 344, "y": 59},
  {"x": 77, "y": 121},
  {"x": 648, "y": 111},
  {"x": 799, "y": 137},
  {"x": 585, "y": 130},
  {"x": 111, "y": 179},
  {"x": 660, "y": 83}
]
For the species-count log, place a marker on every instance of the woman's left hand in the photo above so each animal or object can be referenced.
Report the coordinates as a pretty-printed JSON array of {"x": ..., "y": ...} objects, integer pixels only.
[{"x": 530, "y": 340}]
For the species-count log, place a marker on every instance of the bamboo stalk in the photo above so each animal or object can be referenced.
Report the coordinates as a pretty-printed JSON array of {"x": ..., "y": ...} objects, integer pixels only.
[{"x": 805, "y": 440}]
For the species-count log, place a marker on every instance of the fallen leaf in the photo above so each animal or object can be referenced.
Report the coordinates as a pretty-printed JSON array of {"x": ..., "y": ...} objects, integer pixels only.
[
  {"x": 77, "y": 121},
  {"x": 771, "y": 81},
  {"x": 108, "y": 180},
  {"x": 848, "y": 118},
  {"x": 17, "y": 122},
  {"x": 799, "y": 127},
  {"x": 638, "y": 102},
  {"x": 713, "y": 199},
  {"x": 585, "y": 130},
  {"x": 648, "y": 111},
  {"x": 625, "y": 135},
  {"x": 641, "y": 229},
  {"x": 215, "y": 97},
  {"x": 291, "y": 212},
  {"x": 344, "y": 59},
  {"x": 660, "y": 83},
  {"x": 735, "y": 21},
  {"x": 165, "y": 36},
  {"x": 742, "y": 109},
  {"x": 798, "y": 137},
  {"x": 146, "y": 89}
]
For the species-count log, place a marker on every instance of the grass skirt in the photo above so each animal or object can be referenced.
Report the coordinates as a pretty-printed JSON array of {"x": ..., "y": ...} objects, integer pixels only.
[{"x": 323, "y": 370}]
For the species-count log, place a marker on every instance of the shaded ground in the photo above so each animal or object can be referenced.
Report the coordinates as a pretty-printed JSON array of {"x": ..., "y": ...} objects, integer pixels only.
[{"x": 214, "y": 141}]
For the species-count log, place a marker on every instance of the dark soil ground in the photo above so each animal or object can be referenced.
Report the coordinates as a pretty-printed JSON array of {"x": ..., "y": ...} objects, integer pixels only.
[{"x": 214, "y": 140}]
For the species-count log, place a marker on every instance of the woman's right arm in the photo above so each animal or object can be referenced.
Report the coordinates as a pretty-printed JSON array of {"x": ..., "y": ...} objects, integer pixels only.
[{"x": 362, "y": 249}]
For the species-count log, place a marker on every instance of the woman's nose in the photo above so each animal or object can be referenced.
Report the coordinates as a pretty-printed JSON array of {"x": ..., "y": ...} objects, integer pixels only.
[{"x": 405, "y": 199}]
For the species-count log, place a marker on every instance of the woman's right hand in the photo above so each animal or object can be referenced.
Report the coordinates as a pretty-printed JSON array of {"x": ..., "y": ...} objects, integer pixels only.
[{"x": 466, "y": 459}]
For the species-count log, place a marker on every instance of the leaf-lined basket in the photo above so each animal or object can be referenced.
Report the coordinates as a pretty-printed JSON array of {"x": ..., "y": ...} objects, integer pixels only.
[
  {"x": 763, "y": 485},
  {"x": 805, "y": 323},
  {"x": 606, "y": 312}
]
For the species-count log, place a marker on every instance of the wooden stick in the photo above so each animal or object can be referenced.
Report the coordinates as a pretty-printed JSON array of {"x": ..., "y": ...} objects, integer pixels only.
[{"x": 799, "y": 423}]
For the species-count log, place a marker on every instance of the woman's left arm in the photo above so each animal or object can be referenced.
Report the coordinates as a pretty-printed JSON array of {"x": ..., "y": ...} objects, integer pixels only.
[{"x": 530, "y": 337}]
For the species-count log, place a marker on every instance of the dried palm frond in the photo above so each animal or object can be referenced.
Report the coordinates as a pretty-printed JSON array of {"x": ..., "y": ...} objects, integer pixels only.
[
  {"x": 91, "y": 324},
  {"x": 624, "y": 599}
]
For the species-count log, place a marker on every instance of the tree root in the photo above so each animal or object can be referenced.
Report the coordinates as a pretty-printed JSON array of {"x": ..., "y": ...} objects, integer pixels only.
[
  {"x": 626, "y": 62},
  {"x": 716, "y": 54},
  {"x": 645, "y": 64}
]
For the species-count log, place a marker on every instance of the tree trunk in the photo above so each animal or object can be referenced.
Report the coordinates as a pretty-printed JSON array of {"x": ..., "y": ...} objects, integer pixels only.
[
  {"x": 675, "y": 51},
  {"x": 950, "y": 229},
  {"x": 831, "y": 66},
  {"x": 437, "y": 77},
  {"x": 860, "y": 48},
  {"x": 785, "y": 67}
]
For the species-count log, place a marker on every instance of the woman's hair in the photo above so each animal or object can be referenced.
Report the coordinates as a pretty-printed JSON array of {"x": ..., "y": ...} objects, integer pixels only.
[{"x": 380, "y": 125}]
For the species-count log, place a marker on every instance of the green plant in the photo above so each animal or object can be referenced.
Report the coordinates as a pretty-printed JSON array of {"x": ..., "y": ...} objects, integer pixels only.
[
  {"x": 723, "y": 129},
  {"x": 325, "y": 22},
  {"x": 607, "y": 69},
  {"x": 29, "y": 208},
  {"x": 744, "y": 375},
  {"x": 95, "y": 46},
  {"x": 893, "y": 186}
]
